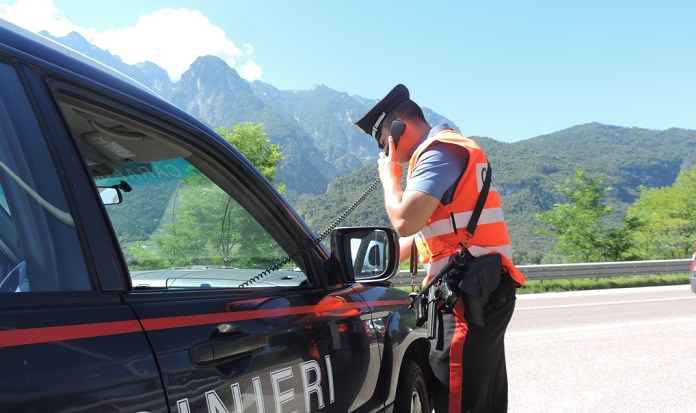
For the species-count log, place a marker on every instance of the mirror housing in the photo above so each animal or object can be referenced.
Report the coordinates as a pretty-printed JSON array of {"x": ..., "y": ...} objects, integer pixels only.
[{"x": 366, "y": 254}]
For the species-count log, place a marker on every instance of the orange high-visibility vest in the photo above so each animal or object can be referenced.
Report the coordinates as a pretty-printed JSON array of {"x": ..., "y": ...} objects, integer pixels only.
[{"x": 444, "y": 234}]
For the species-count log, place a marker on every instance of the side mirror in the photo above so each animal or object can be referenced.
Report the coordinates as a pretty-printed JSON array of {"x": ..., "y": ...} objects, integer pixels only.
[
  {"x": 366, "y": 253},
  {"x": 110, "y": 195}
]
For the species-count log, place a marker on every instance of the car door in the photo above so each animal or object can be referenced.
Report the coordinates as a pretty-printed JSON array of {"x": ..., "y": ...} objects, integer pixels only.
[
  {"x": 66, "y": 342},
  {"x": 227, "y": 282}
]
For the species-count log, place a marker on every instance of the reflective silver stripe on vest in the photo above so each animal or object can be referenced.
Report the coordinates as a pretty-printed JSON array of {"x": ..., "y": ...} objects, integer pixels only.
[
  {"x": 435, "y": 267},
  {"x": 444, "y": 226},
  {"x": 504, "y": 250}
]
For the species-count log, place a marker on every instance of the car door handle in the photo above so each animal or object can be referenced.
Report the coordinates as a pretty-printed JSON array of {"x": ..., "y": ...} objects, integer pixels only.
[{"x": 226, "y": 348}]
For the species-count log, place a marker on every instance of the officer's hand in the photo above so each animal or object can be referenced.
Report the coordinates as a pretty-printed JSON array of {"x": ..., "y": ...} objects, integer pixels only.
[
  {"x": 389, "y": 169},
  {"x": 390, "y": 152}
]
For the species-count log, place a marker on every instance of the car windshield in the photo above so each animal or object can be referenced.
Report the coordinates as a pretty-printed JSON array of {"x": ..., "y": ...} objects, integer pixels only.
[{"x": 178, "y": 229}]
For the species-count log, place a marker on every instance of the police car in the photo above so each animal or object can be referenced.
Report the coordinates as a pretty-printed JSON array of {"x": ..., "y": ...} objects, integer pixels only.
[{"x": 146, "y": 266}]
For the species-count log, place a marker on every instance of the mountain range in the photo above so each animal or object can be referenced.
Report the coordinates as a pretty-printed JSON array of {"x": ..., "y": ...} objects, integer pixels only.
[{"x": 327, "y": 162}]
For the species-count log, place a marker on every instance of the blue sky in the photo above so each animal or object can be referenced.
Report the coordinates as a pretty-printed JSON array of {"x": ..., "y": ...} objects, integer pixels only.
[{"x": 509, "y": 70}]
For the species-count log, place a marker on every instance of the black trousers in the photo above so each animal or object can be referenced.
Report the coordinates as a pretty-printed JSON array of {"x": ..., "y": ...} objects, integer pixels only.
[{"x": 483, "y": 384}]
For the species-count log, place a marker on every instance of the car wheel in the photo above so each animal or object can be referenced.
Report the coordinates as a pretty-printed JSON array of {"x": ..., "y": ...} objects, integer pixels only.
[{"x": 412, "y": 392}]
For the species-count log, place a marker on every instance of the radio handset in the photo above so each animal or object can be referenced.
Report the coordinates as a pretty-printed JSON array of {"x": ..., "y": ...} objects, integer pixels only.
[{"x": 396, "y": 130}]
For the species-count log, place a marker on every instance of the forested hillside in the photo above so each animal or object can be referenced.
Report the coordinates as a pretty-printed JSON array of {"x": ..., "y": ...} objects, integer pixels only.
[
  {"x": 527, "y": 172},
  {"x": 623, "y": 158}
]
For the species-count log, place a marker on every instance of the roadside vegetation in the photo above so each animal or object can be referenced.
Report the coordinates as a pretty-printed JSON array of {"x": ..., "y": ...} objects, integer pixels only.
[
  {"x": 597, "y": 283},
  {"x": 660, "y": 225}
]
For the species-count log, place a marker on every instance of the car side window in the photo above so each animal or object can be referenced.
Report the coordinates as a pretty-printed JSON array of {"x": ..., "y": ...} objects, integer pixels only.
[
  {"x": 39, "y": 247},
  {"x": 176, "y": 225}
]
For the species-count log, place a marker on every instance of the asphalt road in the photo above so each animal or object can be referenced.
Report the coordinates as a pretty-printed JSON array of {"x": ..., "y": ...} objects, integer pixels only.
[{"x": 622, "y": 350}]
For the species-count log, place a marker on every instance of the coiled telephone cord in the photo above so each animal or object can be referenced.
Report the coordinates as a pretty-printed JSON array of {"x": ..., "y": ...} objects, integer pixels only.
[{"x": 318, "y": 239}]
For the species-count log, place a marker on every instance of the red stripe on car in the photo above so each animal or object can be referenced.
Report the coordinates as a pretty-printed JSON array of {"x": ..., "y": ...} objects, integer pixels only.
[{"x": 25, "y": 336}]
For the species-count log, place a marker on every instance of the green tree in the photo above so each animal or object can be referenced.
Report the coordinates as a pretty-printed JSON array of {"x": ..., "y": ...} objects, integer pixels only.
[
  {"x": 205, "y": 226},
  {"x": 252, "y": 142},
  {"x": 579, "y": 224},
  {"x": 667, "y": 217}
]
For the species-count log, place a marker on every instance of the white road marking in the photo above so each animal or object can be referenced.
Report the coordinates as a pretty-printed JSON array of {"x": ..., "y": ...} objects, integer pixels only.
[
  {"x": 649, "y": 300},
  {"x": 566, "y": 330}
]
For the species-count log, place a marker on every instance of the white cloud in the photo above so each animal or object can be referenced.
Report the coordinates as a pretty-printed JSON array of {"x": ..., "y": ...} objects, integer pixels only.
[
  {"x": 37, "y": 15},
  {"x": 250, "y": 71},
  {"x": 172, "y": 39}
]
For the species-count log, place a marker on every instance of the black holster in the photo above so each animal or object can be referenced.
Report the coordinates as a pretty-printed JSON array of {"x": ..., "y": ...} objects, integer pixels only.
[
  {"x": 470, "y": 278},
  {"x": 479, "y": 279}
]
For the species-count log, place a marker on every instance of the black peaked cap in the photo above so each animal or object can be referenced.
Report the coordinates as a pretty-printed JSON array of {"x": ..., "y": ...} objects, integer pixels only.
[{"x": 372, "y": 121}]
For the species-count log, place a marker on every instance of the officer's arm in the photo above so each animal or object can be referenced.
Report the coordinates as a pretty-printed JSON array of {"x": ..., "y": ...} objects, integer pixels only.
[
  {"x": 433, "y": 180},
  {"x": 405, "y": 247},
  {"x": 438, "y": 169},
  {"x": 408, "y": 211}
]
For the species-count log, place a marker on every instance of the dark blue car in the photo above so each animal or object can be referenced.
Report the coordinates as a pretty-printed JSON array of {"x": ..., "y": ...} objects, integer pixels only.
[{"x": 146, "y": 266}]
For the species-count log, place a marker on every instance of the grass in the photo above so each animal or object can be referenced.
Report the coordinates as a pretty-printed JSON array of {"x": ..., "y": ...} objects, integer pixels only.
[{"x": 596, "y": 283}]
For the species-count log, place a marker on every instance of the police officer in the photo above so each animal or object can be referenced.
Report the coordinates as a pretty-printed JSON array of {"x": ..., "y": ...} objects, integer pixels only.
[{"x": 445, "y": 175}]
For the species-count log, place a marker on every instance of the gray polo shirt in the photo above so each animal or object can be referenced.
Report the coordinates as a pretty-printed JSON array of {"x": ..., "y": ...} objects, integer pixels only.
[{"x": 439, "y": 167}]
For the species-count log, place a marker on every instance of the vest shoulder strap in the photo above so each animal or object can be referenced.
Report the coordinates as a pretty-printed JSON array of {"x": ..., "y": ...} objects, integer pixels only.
[{"x": 476, "y": 213}]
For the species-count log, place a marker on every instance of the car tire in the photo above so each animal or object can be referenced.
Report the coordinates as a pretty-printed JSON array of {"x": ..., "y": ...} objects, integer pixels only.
[{"x": 412, "y": 391}]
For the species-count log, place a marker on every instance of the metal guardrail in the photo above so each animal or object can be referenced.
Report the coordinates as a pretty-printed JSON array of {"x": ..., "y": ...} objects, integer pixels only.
[{"x": 593, "y": 269}]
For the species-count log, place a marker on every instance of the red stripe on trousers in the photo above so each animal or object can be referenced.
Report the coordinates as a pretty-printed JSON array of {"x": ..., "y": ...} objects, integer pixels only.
[{"x": 456, "y": 369}]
